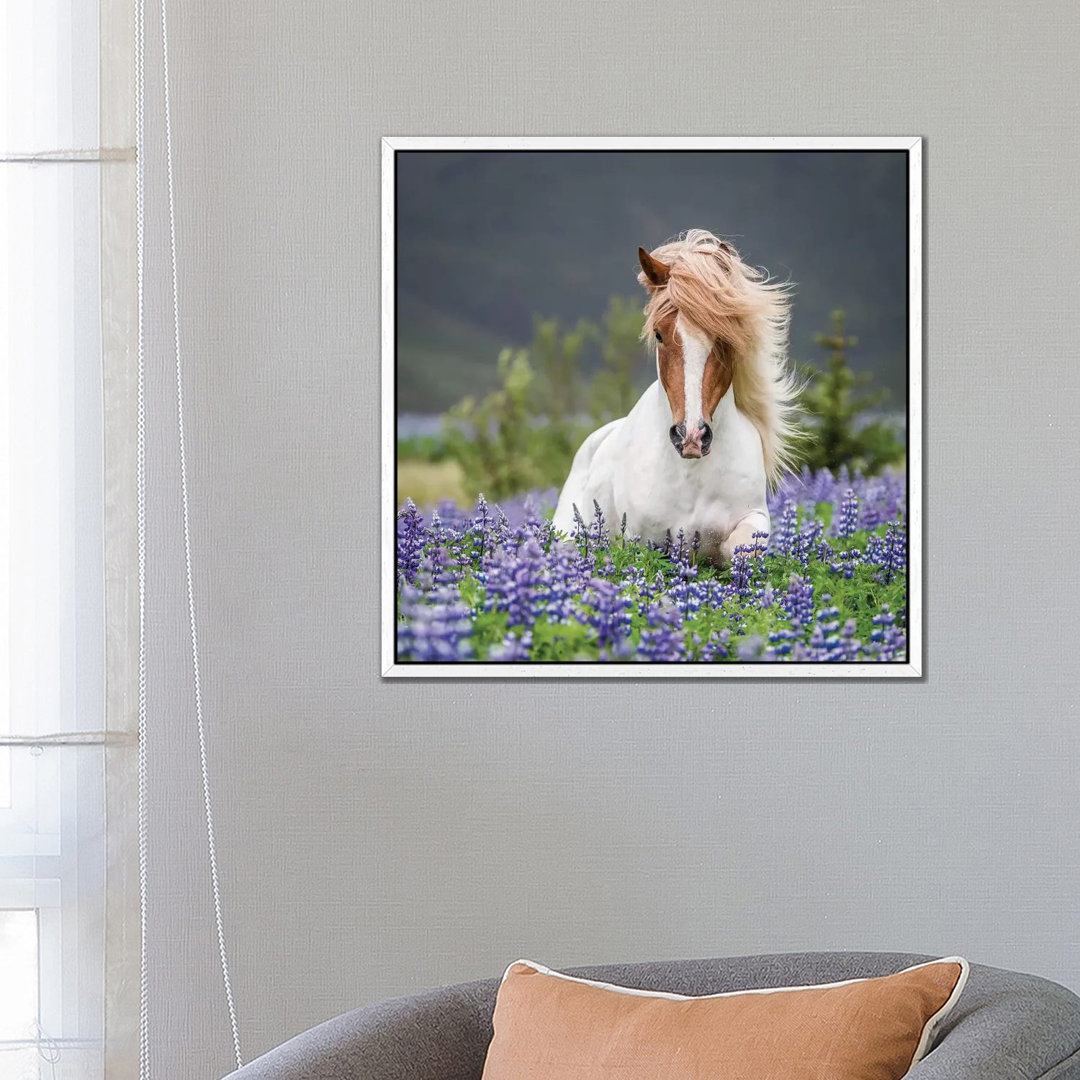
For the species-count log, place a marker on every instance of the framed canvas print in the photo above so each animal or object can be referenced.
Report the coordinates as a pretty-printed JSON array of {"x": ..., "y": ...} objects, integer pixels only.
[{"x": 652, "y": 407}]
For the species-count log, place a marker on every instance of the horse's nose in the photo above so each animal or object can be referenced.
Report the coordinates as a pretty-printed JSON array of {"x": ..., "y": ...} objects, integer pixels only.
[
  {"x": 696, "y": 440},
  {"x": 676, "y": 435}
]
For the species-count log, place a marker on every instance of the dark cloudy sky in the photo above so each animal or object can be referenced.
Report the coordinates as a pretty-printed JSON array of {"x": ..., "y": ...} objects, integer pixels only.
[{"x": 488, "y": 240}]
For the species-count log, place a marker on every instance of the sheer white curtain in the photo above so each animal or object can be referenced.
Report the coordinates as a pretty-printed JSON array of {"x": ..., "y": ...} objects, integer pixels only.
[{"x": 54, "y": 196}]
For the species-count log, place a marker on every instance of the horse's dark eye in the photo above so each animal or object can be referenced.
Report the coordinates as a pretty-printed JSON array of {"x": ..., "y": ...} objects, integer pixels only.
[{"x": 658, "y": 337}]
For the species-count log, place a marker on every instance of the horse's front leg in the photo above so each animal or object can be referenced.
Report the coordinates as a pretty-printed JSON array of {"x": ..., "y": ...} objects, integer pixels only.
[{"x": 743, "y": 534}]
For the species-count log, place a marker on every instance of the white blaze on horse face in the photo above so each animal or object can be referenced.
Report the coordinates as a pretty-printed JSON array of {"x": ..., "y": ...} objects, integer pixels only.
[{"x": 696, "y": 347}]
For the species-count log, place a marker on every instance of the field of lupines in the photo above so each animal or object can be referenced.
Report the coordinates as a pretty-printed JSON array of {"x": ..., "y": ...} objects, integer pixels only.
[{"x": 495, "y": 583}]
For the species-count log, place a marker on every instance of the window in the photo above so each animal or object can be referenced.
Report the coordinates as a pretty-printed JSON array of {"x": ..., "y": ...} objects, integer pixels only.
[{"x": 52, "y": 624}]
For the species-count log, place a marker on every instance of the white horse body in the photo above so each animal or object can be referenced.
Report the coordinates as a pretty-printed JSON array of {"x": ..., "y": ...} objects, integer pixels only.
[{"x": 627, "y": 467}]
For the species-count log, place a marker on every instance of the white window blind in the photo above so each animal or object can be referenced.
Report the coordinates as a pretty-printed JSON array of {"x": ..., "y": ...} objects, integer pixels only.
[{"x": 52, "y": 855}]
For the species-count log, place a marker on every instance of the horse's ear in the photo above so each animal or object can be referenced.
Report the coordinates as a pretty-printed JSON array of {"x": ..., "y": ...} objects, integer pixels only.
[{"x": 656, "y": 272}]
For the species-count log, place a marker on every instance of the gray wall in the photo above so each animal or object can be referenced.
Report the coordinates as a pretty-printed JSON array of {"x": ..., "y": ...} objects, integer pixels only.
[{"x": 375, "y": 837}]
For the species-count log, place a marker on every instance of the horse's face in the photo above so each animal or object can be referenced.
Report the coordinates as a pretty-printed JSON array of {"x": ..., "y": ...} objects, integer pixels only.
[
  {"x": 694, "y": 370},
  {"x": 695, "y": 374}
]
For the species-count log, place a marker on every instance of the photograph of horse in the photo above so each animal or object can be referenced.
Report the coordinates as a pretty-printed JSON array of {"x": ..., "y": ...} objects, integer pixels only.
[{"x": 581, "y": 482}]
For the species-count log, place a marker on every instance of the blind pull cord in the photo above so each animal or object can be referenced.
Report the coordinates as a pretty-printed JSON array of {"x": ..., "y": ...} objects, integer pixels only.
[{"x": 140, "y": 95}]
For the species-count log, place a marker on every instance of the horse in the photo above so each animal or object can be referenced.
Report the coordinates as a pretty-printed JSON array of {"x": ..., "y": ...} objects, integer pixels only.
[{"x": 717, "y": 428}]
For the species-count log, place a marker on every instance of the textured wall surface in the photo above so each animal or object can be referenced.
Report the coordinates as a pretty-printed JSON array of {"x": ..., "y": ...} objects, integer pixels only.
[{"x": 375, "y": 838}]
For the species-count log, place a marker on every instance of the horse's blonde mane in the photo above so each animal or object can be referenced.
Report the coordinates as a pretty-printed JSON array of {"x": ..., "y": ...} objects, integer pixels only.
[{"x": 749, "y": 313}]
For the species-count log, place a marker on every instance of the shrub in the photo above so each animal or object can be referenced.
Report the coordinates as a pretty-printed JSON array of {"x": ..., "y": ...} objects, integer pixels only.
[
  {"x": 616, "y": 386},
  {"x": 525, "y": 432},
  {"x": 491, "y": 438}
]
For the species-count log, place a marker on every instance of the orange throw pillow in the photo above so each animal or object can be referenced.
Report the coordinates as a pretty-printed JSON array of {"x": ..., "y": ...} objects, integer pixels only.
[{"x": 550, "y": 1026}]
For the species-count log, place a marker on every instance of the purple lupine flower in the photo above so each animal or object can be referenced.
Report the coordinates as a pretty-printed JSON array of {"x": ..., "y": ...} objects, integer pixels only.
[
  {"x": 799, "y": 602},
  {"x": 808, "y": 542},
  {"x": 684, "y": 590},
  {"x": 750, "y": 649},
  {"x": 782, "y": 540},
  {"x": 411, "y": 538},
  {"x": 567, "y": 577},
  {"x": 848, "y": 518},
  {"x": 513, "y": 648},
  {"x": 886, "y": 637},
  {"x": 828, "y": 612},
  {"x": 845, "y": 562},
  {"x": 896, "y": 544},
  {"x": 850, "y": 647},
  {"x": 436, "y": 626},
  {"x": 742, "y": 572},
  {"x": 481, "y": 520},
  {"x": 598, "y": 528},
  {"x": 437, "y": 567},
  {"x": 888, "y": 552},
  {"x": 782, "y": 642},
  {"x": 580, "y": 533},
  {"x": 717, "y": 647},
  {"x": 746, "y": 565},
  {"x": 500, "y": 528},
  {"x": 680, "y": 551},
  {"x": 609, "y": 617},
  {"x": 513, "y": 583},
  {"x": 662, "y": 640}
]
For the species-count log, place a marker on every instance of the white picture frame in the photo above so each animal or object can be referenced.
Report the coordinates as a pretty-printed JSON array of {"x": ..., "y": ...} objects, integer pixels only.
[{"x": 911, "y": 668}]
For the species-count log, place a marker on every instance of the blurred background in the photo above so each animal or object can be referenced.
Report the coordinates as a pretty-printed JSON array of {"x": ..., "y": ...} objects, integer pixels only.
[{"x": 518, "y": 309}]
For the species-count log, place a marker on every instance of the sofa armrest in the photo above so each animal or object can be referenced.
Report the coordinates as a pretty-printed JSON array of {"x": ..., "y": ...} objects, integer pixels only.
[
  {"x": 1007, "y": 1026},
  {"x": 437, "y": 1035}
]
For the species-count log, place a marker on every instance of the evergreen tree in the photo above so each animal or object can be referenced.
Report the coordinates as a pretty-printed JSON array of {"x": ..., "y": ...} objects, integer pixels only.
[{"x": 840, "y": 429}]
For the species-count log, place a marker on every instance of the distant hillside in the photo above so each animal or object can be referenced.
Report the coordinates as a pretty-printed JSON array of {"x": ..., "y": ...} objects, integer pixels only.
[{"x": 488, "y": 240}]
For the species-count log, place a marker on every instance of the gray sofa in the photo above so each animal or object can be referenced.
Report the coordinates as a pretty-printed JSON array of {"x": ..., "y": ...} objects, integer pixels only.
[{"x": 1005, "y": 1026}]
